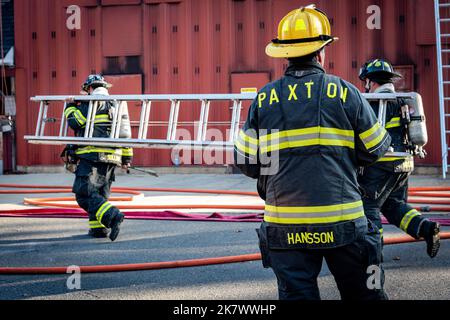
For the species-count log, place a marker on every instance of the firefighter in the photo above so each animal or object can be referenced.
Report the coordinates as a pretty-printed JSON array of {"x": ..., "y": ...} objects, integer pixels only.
[
  {"x": 95, "y": 166},
  {"x": 304, "y": 138},
  {"x": 385, "y": 183}
]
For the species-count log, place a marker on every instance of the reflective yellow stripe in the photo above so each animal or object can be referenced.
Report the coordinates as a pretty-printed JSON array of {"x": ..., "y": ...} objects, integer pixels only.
[
  {"x": 101, "y": 118},
  {"x": 314, "y": 214},
  {"x": 407, "y": 219},
  {"x": 69, "y": 110},
  {"x": 318, "y": 220},
  {"x": 102, "y": 210},
  {"x": 307, "y": 137},
  {"x": 373, "y": 136},
  {"x": 377, "y": 140},
  {"x": 370, "y": 132},
  {"x": 79, "y": 117},
  {"x": 245, "y": 149},
  {"x": 76, "y": 114},
  {"x": 381, "y": 231},
  {"x": 91, "y": 149},
  {"x": 389, "y": 159},
  {"x": 306, "y": 131},
  {"x": 394, "y": 123},
  {"x": 127, "y": 152},
  {"x": 247, "y": 138},
  {"x": 246, "y": 144},
  {"x": 305, "y": 143},
  {"x": 315, "y": 209},
  {"x": 95, "y": 225}
]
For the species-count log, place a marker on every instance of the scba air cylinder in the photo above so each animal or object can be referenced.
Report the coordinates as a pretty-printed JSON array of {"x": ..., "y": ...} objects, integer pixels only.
[{"x": 417, "y": 128}]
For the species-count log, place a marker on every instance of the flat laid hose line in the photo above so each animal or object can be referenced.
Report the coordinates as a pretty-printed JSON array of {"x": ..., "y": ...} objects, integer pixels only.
[
  {"x": 167, "y": 264},
  {"x": 430, "y": 192},
  {"x": 424, "y": 192}
]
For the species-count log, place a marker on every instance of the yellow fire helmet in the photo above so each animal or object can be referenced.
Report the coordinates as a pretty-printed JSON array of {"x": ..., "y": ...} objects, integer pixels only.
[{"x": 301, "y": 32}]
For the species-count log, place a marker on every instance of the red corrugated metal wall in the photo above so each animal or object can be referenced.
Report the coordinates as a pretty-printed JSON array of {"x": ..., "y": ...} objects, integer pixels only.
[{"x": 195, "y": 46}]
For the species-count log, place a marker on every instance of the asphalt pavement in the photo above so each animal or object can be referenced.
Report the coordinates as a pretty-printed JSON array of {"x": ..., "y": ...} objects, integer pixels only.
[{"x": 27, "y": 242}]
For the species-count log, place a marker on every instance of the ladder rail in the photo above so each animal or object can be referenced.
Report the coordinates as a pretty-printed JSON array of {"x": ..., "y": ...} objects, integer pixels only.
[{"x": 152, "y": 97}]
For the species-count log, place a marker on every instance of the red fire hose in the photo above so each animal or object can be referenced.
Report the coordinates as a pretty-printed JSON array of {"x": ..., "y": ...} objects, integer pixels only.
[{"x": 432, "y": 192}]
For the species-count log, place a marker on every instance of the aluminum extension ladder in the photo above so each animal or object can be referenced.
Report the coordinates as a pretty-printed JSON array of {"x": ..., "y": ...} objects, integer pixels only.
[
  {"x": 142, "y": 140},
  {"x": 443, "y": 51}
]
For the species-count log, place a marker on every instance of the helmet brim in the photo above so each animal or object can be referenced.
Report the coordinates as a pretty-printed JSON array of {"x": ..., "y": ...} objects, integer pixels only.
[
  {"x": 102, "y": 83},
  {"x": 276, "y": 50},
  {"x": 383, "y": 75}
]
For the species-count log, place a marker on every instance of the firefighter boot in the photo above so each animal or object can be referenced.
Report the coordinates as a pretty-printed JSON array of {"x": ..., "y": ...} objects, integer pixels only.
[
  {"x": 98, "y": 233},
  {"x": 116, "y": 220},
  {"x": 430, "y": 232}
]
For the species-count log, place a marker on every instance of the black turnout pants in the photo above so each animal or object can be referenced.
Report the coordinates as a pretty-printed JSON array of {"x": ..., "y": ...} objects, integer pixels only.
[
  {"x": 387, "y": 192},
  {"x": 356, "y": 269},
  {"x": 92, "y": 189}
]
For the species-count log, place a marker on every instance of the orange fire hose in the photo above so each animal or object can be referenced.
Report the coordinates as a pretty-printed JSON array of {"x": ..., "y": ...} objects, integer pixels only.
[
  {"x": 181, "y": 263},
  {"x": 167, "y": 264}
]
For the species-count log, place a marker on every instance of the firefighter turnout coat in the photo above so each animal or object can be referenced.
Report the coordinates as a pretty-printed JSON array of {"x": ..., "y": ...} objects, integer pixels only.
[
  {"x": 76, "y": 114},
  {"x": 305, "y": 136}
]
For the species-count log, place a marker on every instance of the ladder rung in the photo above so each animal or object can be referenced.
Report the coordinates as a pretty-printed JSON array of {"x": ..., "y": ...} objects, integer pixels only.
[
  {"x": 445, "y": 50},
  {"x": 444, "y": 5},
  {"x": 445, "y": 35},
  {"x": 445, "y": 20}
]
